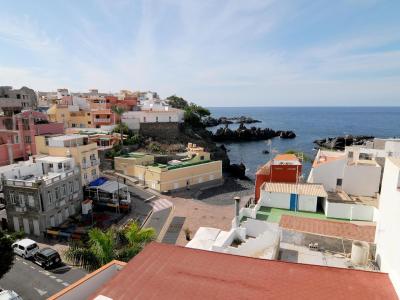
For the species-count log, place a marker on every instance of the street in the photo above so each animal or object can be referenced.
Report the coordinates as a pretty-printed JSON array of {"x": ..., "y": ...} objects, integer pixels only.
[{"x": 31, "y": 281}]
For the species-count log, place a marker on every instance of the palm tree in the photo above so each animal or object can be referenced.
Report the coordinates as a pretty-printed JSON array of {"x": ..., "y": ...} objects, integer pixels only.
[
  {"x": 105, "y": 246},
  {"x": 119, "y": 111}
]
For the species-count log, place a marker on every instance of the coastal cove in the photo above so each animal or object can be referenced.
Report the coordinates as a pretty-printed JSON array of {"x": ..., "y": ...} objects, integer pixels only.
[{"x": 309, "y": 124}]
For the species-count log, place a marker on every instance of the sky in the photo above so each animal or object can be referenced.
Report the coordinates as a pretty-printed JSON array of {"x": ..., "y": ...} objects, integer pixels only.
[{"x": 214, "y": 53}]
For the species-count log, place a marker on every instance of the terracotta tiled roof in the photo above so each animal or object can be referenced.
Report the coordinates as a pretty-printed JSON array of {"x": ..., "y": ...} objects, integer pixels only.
[
  {"x": 164, "y": 271},
  {"x": 329, "y": 228},
  {"x": 308, "y": 189}
]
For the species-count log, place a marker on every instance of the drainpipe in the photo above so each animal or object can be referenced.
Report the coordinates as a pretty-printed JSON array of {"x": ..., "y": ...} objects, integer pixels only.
[{"x": 237, "y": 208}]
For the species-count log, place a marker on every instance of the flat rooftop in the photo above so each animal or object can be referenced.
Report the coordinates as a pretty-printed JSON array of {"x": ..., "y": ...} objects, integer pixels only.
[
  {"x": 342, "y": 197},
  {"x": 328, "y": 156},
  {"x": 67, "y": 137},
  {"x": 164, "y": 271},
  {"x": 330, "y": 228}
]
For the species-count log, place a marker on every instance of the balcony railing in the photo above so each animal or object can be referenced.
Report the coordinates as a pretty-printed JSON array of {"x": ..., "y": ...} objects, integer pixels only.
[{"x": 102, "y": 120}]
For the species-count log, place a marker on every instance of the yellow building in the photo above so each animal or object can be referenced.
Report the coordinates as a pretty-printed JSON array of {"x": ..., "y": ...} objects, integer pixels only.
[
  {"x": 195, "y": 169},
  {"x": 70, "y": 115},
  {"x": 77, "y": 146}
]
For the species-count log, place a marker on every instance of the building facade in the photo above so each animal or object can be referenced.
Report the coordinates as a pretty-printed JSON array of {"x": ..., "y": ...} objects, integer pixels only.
[
  {"x": 386, "y": 238},
  {"x": 77, "y": 146},
  {"x": 41, "y": 193},
  {"x": 195, "y": 170},
  {"x": 15, "y": 100},
  {"x": 283, "y": 168}
]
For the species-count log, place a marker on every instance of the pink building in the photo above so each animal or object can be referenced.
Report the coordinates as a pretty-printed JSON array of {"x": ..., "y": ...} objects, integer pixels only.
[{"x": 17, "y": 134}]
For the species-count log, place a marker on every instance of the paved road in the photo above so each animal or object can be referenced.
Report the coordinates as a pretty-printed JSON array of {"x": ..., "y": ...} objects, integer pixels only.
[{"x": 30, "y": 281}]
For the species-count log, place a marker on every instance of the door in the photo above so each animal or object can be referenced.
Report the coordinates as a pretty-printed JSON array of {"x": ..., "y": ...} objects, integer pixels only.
[
  {"x": 16, "y": 224},
  {"x": 36, "y": 230},
  {"x": 52, "y": 222},
  {"x": 26, "y": 226},
  {"x": 293, "y": 202}
]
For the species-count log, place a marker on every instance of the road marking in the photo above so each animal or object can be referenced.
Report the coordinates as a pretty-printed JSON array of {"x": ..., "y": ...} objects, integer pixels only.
[
  {"x": 52, "y": 276},
  {"x": 59, "y": 280},
  {"x": 33, "y": 268},
  {"x": 41, "y": 292},
  {"x": 17, "y": 258},
  {"x": 65, "y": 284},
  {"x": 47, "y": 273},
  {"x": 24, "y": 262},
  {"x": 160, "y": 204}
]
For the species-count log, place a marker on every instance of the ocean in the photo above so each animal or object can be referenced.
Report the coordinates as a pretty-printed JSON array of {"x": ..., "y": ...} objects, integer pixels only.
[{"x": 309, "y": 124}]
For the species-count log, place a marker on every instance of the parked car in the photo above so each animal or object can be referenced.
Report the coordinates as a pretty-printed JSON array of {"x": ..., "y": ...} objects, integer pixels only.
[
  {"x": 25, "y": 248},
  {"x": 9, "y": 295},
  {"x": 47, "y": 258}
]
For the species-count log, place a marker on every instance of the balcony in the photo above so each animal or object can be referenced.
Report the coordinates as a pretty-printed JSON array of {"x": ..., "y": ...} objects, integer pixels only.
[{"x": 102, "y": 120}]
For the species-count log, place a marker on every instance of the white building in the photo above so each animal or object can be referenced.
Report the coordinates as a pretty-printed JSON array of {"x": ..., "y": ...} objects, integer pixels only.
[
  {"x": 253, "y": 238},
  {"x": 354, "y": 173},
  {"x": 296, "y": 197},
  {"x": 387, "y": 231},
  {"x": 152, "y": 111}
]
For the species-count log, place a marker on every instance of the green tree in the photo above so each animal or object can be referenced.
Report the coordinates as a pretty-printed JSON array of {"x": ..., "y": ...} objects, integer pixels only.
[
  {"x": 119, "y": 111},
  {"x": 6, "y": 253},
  {"x": 105, "y": 246},
  {"x": 194, "y": 114},
  {"x": 177, "y": 102}
]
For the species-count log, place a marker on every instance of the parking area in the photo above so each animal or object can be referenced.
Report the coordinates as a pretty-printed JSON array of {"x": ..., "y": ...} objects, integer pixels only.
[{"x": 31, "y": 281}]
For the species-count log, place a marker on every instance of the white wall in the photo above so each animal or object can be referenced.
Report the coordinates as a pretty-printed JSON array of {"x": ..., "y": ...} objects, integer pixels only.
[
  {"x": 278, "y": 200},
  {"x": 361, "y": 180},
  {"x": 327, "y": 174},
  {"x": 151, "y": 117},
  {"x": 349, "y": 211},
  {"x": 307, "y": 203},
  {"x": 388, "y": 228}
]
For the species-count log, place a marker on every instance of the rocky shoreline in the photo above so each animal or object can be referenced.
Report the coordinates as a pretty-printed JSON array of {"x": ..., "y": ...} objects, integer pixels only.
[
  {"x": 211, "y": 121},
  {"x": 244, "y": 134},
  {"x": 340, "y": 142}
]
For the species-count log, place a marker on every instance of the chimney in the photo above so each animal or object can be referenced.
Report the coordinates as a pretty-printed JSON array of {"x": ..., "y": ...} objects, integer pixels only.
[{"x": 237, "y": 208}]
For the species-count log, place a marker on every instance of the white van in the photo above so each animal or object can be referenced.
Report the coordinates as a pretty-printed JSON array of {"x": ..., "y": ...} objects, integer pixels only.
[{"x": 25, "y": 248}]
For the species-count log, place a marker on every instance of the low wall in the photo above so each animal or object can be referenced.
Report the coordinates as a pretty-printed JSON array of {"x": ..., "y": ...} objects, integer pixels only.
[
  {"x": 349, "y": 211},
  {"x": 160, "y": 130}
]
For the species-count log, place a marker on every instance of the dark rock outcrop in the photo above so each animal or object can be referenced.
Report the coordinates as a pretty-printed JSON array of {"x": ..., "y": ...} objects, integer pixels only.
[
  {"x": 210, "y": 121},
  {"x": 244, "y": 134},
  {"x": 237, "y": 170},
  {"x": 286, "y": 134},
  {"x": 339, "y": 142}
]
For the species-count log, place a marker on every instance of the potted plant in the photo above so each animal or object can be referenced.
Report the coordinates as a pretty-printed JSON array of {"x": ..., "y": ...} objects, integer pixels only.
[{"x": 187, "y": 233}]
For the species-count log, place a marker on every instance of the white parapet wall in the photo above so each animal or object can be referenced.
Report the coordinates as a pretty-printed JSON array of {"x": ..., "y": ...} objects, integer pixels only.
[{"x": 350, "y": 211}]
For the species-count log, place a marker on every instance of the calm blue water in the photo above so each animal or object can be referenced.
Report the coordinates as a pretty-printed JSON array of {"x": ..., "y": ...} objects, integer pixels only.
[{"x": 309, "y": 124}]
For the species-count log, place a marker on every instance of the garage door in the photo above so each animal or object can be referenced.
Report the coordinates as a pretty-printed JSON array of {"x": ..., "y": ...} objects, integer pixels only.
[
  {"x": 26, "y": 226},
  {"x": 16, "y": 224},
  {"x": 36, "y": 230}
]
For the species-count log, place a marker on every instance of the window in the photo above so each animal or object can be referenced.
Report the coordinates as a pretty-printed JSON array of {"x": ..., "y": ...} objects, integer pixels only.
[
  {"x": 76, "y": 185},
  {"x": 73, "y": 125},
  {"x": 71, "y": 187},
  {"x": 28, "y": 139},
  {"x": 94, "y": 172},
  {"x": 350, "y": 155},
  {"x": 16, "y": 139},
  {"x": 89, "y": 122},
  {"x": 21, "y": 200},
  {"x": 85, "y": 176},
  {"x": 46, "y": 141},
  {"x": 60, "y": 166},
  {"x": 50, "y": 196},
  {"x": 144, "y": 119},
  {"x": 12, "y": 197},
  {"x": 169, "y": 119},
  {"x": 64, "y": 189},
  {"x": 339, "y": 182},
  {"x": 156, "y": 119},
  {"x": 31, "y": 201},
  {"x": 57, "y": 190}
]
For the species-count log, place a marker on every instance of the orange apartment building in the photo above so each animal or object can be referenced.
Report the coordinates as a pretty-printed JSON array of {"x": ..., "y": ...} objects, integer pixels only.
[{"x": 283, "y": 168}]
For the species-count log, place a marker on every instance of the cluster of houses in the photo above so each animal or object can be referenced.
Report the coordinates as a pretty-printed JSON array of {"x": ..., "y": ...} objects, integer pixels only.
[{"x": 50, "y": 153}]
